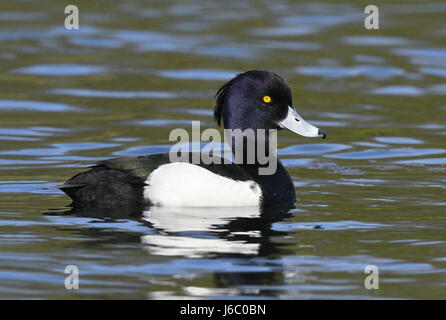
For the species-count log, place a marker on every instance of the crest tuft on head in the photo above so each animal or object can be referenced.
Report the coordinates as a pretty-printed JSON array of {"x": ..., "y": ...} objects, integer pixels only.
[{"x": 221, "y": 98}]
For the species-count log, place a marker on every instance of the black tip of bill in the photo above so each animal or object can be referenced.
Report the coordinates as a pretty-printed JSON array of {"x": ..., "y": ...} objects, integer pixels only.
[{"x": 321, "y": 134}]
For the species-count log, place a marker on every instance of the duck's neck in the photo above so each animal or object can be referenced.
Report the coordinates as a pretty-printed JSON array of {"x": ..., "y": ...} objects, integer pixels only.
[
  {"x": 256, "y": 152},
  {"x": 253, "y": 147}
]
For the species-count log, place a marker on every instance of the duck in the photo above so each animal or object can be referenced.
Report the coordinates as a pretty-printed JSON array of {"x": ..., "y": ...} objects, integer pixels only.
[{"x": 255, "y": 100}]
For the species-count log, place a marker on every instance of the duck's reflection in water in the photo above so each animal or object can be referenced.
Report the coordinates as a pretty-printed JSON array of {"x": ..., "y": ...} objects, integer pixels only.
[
  {"x": 200, "y": 232},
  {"x": 234, "y": 244},
  {"x": 188, "y": 232}
]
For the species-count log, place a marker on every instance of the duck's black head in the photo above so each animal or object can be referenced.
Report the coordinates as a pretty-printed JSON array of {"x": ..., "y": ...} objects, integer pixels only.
[{"x": 260, "y": 100}]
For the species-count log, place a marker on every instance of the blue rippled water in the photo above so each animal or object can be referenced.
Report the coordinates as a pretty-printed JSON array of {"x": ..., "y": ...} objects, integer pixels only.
[{"x": 372, "y": 193}]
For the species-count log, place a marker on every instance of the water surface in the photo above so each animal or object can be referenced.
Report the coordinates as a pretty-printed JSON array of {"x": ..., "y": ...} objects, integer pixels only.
[{"x": 372, "y": 193}]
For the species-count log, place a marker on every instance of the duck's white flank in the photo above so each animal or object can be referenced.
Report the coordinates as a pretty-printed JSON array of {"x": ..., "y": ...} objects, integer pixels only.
[{"x": 183, "y": 184}]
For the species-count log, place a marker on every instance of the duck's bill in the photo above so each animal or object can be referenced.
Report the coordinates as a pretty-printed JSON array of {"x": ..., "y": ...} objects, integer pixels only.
[{"x": 297, "y": 124}]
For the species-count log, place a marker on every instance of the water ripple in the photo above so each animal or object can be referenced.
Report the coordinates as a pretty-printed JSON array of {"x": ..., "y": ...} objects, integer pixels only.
[
  {"x": 431, "y": 161},
  {"x": 60, "y": 148},
  {"x": 198, "y": 74},
  {"x": 398, "y": 140},
  {"x": 372, "y": 71},
  {"x": 375, "y": 41},
  {"x": 398, "y": 91},
  {"x": 390, "y": 153},
  {"x": 61, "y": 69},
  {"x": 317, "y": 148},
  {"x": 323, "y": 225},
  {"x": 424, "y": 56},
  {"x": 113, "y": 93},
  {"x": 18, "y": 105}
]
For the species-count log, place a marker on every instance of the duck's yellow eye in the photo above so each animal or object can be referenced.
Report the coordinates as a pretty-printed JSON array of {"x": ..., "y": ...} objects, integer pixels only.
[{"x": 267, "y": 99}]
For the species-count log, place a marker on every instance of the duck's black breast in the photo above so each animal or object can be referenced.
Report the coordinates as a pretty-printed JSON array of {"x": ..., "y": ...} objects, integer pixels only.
[{"x": 277, "y": 188}]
